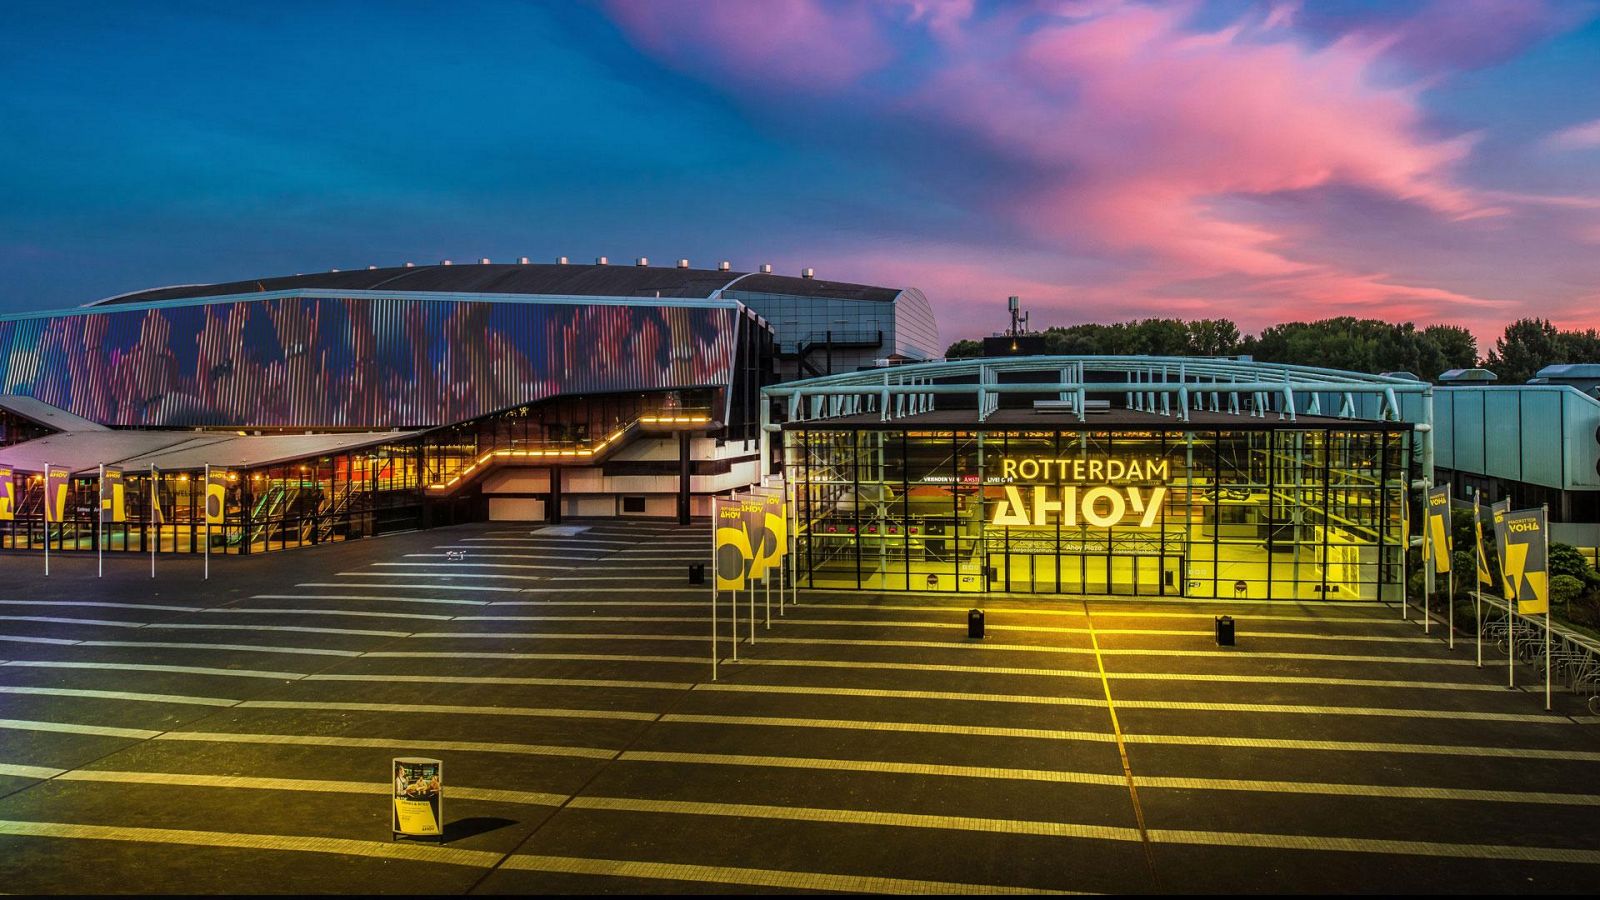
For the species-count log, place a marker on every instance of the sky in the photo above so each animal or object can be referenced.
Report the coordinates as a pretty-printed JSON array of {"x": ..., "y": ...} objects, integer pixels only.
[{"x": 1102, "y": 159}]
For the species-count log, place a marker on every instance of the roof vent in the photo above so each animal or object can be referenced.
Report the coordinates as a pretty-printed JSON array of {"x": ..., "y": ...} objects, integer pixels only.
[
  {"x": 766, "y": 268},
  {"x": 642, "y": 261},
  {"x": 445, "y": 262},
  {"x": 561, "y": 260},
  {"x": 371, "y": 268},
  {"x": 411, "y": 265},
  {"x": 333, "y": 270},
  {"x": 808, "y": 273},
  {"x": 601, "y": 261},
  {"x": 683, "y": 264},
  {"x": 522, "y": 260},
  {"x": 724, "y": 266},
  {"x": 483, "y": 261}
]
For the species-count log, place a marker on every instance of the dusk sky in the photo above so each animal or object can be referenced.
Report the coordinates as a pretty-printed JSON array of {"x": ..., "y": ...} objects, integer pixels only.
[{"x": 1265, "y": 162}]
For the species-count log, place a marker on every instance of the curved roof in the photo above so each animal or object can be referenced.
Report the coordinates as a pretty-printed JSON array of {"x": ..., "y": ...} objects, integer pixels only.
[
  {"x": 1161, "y": 386},
  {"x": 533, "y": 278}
]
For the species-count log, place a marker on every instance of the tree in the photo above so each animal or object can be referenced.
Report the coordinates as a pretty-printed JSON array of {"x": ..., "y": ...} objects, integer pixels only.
[
  {"x": 1527, "y": 346},
  {"x": 963, "y": 349}
]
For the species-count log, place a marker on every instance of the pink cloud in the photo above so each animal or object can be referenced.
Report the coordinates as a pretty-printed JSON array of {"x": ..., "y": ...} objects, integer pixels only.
[
  {"x": 810, "y": 45},
  {"x": 1579, "y": 137},
  {"x": 1115, "y": 132}
]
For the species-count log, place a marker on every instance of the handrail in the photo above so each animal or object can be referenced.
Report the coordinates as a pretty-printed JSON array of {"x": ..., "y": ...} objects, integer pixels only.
[{"x": 574, "y": 452}]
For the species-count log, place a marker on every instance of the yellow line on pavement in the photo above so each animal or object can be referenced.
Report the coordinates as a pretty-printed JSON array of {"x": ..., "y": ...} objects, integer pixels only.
[
  {"x": 412, "y": 708},
  {"x": 1371, "y": 845},
  {"x": 746, "y": 877},
  {"x": 457, "y": 792},
  {"x": 317, "y": 740},
  {"x": 1208, "y": 740},
  {"x": 378, "y": 849},
  {"x": 857, "y": 817},
  {"x": 876, "y": 766},
  {"x": 914, "y": 727}
]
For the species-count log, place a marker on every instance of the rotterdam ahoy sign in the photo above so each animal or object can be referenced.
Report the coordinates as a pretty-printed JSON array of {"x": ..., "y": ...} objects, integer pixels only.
[{"x": 1102, "y": 492}]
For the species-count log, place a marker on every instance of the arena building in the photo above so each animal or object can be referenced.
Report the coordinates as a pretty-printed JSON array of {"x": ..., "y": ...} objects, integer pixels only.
[
  {"x": 347, "y": 404},
  {"x": 1140, "y": 476}
]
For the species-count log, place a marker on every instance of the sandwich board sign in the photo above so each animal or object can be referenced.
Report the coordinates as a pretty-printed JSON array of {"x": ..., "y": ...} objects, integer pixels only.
[{"x": 418, "y": 797}]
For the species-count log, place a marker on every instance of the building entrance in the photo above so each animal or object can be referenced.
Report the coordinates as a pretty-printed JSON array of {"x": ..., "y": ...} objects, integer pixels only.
[{"x": 1130, "y": 575}]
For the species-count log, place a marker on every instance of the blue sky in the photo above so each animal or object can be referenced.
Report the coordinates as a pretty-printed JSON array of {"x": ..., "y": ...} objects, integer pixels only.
[{"x": 1104, "y": 159}]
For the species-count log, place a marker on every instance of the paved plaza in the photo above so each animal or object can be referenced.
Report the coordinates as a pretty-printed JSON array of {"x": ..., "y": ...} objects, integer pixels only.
[{"x": 234, "y": 736}]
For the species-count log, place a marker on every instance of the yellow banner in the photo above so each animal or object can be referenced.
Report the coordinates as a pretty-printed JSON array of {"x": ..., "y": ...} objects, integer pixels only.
[
  {"x": 1526, "y": 563},
  {"x": 1477, "y": 536},
  {"x": 56, "y": 482},
  {"x": 216, "y": 495},
  {"x": 1437, "y": 538},
  {"x": 113, "y": 499},
  {"x": 8, "y": 495},
  {"x": 778, "y": 527},
  {"x": 733, "y": 550}
]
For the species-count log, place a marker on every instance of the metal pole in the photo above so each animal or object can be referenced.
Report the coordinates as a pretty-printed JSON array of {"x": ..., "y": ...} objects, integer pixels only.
[
  {"x": 99, "y": 539},
  {"x": 1450, "y": 604},
  {"x": 45, "y": 511},
  {"x": 155, "y": 524},
  {"x": 205, "y": 510},
  {"x": 714, "y": 588},
  {"x": 1477, "y": 613},
  {"x": 1547, "y": 666}
]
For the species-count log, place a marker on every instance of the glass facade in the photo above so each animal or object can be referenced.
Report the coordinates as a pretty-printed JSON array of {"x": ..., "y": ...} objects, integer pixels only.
[{"x": 1259, "y": 513}]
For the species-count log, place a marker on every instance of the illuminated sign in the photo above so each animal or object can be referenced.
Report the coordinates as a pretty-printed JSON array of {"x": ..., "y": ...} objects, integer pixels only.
[
  {"x": 1114, "y": 471},
  {"x": 1109, "y": 492}
]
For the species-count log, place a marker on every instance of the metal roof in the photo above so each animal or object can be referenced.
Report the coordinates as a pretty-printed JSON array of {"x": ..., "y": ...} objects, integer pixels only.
[
  {"x": 1583, "y": 371},
  {"x": 42, "y": 413},
  {"x": 84, "y": 451},
  {"x": 533, "y": 278}
]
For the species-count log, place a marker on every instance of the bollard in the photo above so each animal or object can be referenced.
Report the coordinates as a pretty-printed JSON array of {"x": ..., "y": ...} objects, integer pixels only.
[
  {"x": 697, "y": 573},
  {"x": 975, "y": 623},
  {"x": 1224, "y": 631}
]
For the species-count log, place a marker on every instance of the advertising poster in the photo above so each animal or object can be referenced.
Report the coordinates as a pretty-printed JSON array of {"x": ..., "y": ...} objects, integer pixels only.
[
  {"x": 156, "y": 516},
  {"x": 8, "y": 494},
  {"x": 777, "y": 523},
  {"x": 1477, "y": 536},
  {"x": 113, "y": 496},
  {"x": 418, "y": 797},
  {"x": 56, "y": 481},
  {"x": 733, "y": 544},
  {"x": 753, "y": 516},
  {"x": 1526, "y": 562},
  {"x": 216, "y": 495},
  {"x": 1438, "y": 525}
]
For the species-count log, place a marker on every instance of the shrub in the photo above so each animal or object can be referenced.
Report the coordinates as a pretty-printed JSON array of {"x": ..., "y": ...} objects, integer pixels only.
[
  {"x": 1566, "y": 560},
  {"x": 1564, "y": 589}
]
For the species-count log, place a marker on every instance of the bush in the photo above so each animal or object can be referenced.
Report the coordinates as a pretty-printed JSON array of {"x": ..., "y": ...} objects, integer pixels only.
[
  {"x": 1566, "y": 560},
  {"x": 1585, "y": 610},
  {"x": 1564, "y": 589}
]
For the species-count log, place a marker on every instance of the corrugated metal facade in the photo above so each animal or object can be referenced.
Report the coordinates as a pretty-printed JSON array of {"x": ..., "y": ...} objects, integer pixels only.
[{"x": 357, "y": 362}]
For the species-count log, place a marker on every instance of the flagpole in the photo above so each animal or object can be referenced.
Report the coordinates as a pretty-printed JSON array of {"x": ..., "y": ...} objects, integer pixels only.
[
  {"x": 46, "y": 511},
  {"x": 155, "y": 526},
  {"x": 713, "y": 588},
  {"x": 1481, "y": 564},
  {"x": 1405, "y": 554},
  {"x": 99, "y": 539},
  {"x": 1547, "y": 604},
  {"x": 205, "y": 510}
]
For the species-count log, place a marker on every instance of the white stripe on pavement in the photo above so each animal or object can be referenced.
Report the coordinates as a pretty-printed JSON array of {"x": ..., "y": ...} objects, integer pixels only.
[
  {"x": 248, "y": 648},
  {"x": 150, "y": 667},
  {"x": 307, "y": 629},
  {"x": 781, "y": 879},
  {"x": 116, "y": 695},
  {"x": 439, "y": 600},
  {"x": 396, "y": 744},
  {"x": 399, "y": 850},
  {"x": 457, "y": 792},
  {"x": 410, "y": 708},
  {"x": 508, "y": 680},
  {"x": 75, "y": 728}
]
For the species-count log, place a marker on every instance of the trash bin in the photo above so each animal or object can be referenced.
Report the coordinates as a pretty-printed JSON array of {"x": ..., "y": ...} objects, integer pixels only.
[
  {"x": 697, "y": 573},
  {"x": 1224, "y": 631},
  {"x": 974, "y": 623}
]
